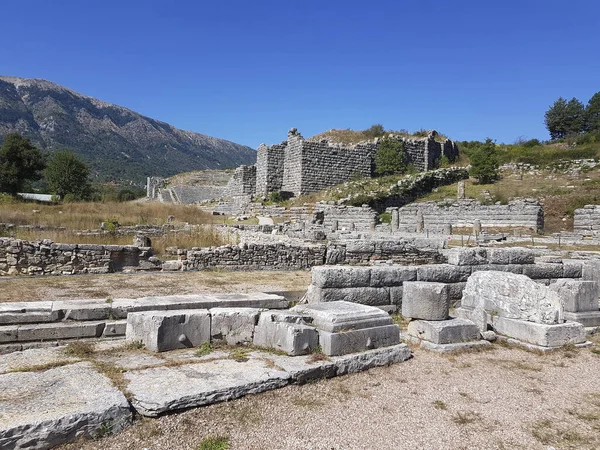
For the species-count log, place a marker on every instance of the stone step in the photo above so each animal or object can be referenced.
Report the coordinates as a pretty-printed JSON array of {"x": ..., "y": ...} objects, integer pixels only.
[
  {"x": 50, "y": 331},
  {"x": 17, "y": 313}
]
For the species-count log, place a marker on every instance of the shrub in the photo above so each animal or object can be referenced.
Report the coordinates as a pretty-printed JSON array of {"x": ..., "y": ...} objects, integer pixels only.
[
  {"x": 484, "y": 163},
  {"x": 390, "y": 157}
]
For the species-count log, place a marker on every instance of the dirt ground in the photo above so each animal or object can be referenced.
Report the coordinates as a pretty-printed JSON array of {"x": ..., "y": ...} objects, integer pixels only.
[
  {"x": 121, "y": 285},
  {"x": 497, "y": 399}
]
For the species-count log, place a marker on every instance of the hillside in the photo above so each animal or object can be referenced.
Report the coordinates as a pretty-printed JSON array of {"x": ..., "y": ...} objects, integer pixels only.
[{"x": 118, "y": 144}]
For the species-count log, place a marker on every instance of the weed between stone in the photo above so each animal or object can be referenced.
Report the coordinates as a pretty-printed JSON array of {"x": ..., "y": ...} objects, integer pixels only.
[{"x": 214, "y": 443}]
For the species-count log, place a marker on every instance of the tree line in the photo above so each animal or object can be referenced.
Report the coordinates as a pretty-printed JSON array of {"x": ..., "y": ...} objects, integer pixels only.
[
  {"x": 64, "y": 174},
  {"x": 565, "y": 118}
]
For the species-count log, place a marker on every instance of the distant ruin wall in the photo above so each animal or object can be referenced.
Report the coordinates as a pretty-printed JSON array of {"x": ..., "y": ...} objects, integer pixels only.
[
  {"x": 269, "y": 168},
  {"x": 18, "y": 257},
  {"x": 243, "y": 182},
  {"x": 300, "y": 167},
  {"x": 463, "y": 213},
  {"x": 586, "y": 220},
  {"x": 153, "y": 185}
]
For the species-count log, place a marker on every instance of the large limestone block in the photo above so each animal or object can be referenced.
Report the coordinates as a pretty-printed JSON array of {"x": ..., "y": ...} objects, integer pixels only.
[
  {"x": 545, "y": 335},
  {"x": 353, "y": 341},
  {"x": 60, "y": 330},
  {"x": 387, "y": 276},
  {"x": 443, "y": 273},
  {"x": 586, "y": 318},
  {"x": 461, "y": 256},
  {"x": 363, "y": 295},
  {"x": 163, "y": 389},
  {"x": 514, "y": 255},
  {"x": 425, "y": 300},
  {"x": 577, "y": 296},
  {"x": 513, "y": 296},
  {"x": 338, "y": 316},
  {"x": 340, "y": 276},
  {"x": 444, "y": 331},
  {"x": 160, "y": 331},
  {"x": 285, "y": 332},
  {"x": 233, "y": 325},
  {"x": 590, "y": 270},
  {"x": 41, "y": 410}
]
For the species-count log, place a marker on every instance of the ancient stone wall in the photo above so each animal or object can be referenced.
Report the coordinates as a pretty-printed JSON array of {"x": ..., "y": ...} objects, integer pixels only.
[
  {"x": 463, "y": 213},
  {"x": 382, "y": 285},
  {"x": 348, "y": 217},
  {"x": 243, "y": 182},
  {"x": 586, "y": 220},
  {"x": 45, "y": 257},
  {"x": 300, "y": 255},
  {"x": 269, "y": 168},
  {"x": 298, "y": 166}
]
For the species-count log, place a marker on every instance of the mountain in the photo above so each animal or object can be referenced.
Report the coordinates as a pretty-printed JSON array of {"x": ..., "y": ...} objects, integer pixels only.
[{"x": 117, "y": 143}]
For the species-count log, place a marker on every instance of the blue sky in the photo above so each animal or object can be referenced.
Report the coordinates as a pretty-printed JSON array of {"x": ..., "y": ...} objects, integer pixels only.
[{"x": 247, "y": 71}]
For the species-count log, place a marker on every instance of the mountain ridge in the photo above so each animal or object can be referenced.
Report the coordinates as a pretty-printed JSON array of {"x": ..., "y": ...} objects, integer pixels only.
[{"x": 118, "y": 143}]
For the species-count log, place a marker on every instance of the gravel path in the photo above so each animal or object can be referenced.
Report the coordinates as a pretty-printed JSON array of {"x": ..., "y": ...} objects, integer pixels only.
[{"x": 496, "y": 399}]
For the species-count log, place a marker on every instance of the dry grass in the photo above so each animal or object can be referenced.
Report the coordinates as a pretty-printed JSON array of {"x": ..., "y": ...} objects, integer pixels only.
[
  {"x": 88, "y": 216},
  {"x": 121, "y": 285}
]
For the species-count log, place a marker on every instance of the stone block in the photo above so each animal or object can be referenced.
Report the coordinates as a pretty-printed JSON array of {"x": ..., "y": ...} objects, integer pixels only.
[
  {"x": 285, "y": 332},
  {"x": 44, "y": 409},
  {"x": 577, "y": 296},
  {"x": 362, "y": 295},
  {"x": 543, "y": 271},
  {"x": 572, "y": 268},
  {"x": 343, "y": 316},
  {"x": 383, "y": 356},
  {"x": 60, "y": 330},
  {"x": 84, "y": 309},
  {"x": 587, "y": 318},
  {"x": 425, "y": 300},
  {"x": 8, "y": 333},
  {"x": 160, "y": 390},
  {"x": 353, "y": 341},
  {"x": 160, "y": 331},
  {"x": 115, "y": 328},
  {"x": 443, "y": 273},
  {"x": 461, "y": 256},
  {"x": 444, "y": 331},
  {"x": 172, "y": 265},
  {"x": 233, "y": 325},
  {"x": 541, "y": 334},
  {"x": 396, "y": 293},
  {"x": 340, "y": 276},
  {"x": 590, "y": 270},
  {"x": 386, "y": 276},
  {"x": 512, "y": 296}
]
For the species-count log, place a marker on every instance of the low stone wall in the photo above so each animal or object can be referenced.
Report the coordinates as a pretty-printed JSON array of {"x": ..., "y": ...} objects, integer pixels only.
[
  {"x": 463, "y": 213},
  {"x": 382, "y": 285},
  {"x": 276, "y": 256},
  {"x": 18, "y": 257},
  {"x": 299, "y": 255},
  {"x": 586, "y": 220}
]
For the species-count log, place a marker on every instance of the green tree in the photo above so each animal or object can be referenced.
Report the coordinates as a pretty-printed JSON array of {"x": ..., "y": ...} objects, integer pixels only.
[
  {"x": 592, "y": 113},
  {"x": 67, "y": 175},
  {"x": 20, "y": 163},
  {"x": 390, "y": 157},
  {"x": 564, "y": 118},
  {"x": 484, "y": 162},
  {"x": 374, "y": 131}
]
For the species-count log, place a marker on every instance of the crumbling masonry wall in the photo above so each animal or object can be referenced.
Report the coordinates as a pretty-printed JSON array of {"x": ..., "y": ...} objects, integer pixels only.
[
  {"x": 18, "y": 257},
  {"x": 298, "y": 166},
  {"x": 243, "y": 182}
]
